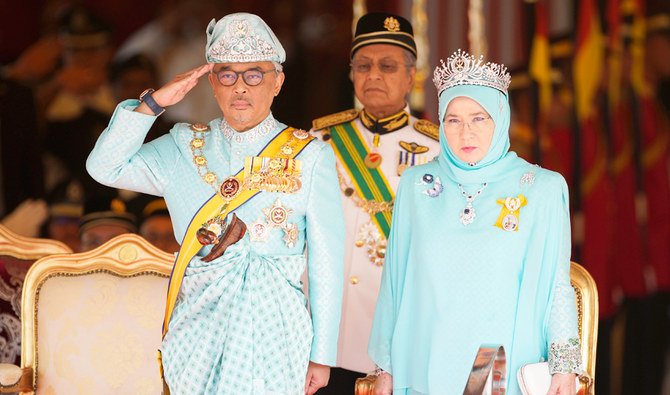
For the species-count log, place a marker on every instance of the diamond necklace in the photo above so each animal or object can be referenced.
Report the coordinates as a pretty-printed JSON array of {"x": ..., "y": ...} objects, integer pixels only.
[{"x": 468, "y": 213}]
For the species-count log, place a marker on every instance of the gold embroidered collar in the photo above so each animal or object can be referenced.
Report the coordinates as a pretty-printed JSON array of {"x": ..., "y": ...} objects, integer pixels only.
[{"x": 384, "y": 125}]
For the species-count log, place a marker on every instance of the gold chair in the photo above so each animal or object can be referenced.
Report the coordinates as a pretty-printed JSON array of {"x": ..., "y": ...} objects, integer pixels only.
[
  {"x": 17, "y": 254},
  {"x": 586, "y": 296},
  {"x": 92, "y": 321}
]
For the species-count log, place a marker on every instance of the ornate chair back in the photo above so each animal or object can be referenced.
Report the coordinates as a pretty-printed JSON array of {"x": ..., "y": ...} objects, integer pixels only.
[
  {"x": 17, "y": 254},
  {"x": 92, "y": 321}
]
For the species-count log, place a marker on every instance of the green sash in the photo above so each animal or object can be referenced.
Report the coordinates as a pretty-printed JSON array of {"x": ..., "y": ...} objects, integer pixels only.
[{"x": 370, "y": 184}]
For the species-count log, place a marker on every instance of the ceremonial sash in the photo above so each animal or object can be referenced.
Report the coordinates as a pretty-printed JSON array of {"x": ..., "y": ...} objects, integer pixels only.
[
  {"x": 216, "y": 205},
  {"x": 370, "y": 184}
]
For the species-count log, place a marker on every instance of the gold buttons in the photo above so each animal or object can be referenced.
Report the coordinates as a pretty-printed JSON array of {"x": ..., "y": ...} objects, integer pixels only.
[{"x": 353, "y": 280}]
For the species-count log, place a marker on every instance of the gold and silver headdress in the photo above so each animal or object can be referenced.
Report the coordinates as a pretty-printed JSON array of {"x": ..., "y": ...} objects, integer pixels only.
[
  {"x": 462, "y": 68},
  {"x": 242, "y": 38}
]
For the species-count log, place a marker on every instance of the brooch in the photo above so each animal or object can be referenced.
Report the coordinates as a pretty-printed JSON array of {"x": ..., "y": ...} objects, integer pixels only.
[
  {"x": 509, "y": 213},
  {"x": 437, "y": 187},
  {"x": 527, "y": 179}
]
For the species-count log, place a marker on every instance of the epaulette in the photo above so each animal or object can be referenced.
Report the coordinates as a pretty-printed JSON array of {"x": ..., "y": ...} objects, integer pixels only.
[
  {"x": 334, "y": 119},
  {"x": 427, "y": 128}
]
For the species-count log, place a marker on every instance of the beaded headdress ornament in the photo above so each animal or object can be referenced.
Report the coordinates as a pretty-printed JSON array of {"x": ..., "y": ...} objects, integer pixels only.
[{"x": 462, "y": 68}]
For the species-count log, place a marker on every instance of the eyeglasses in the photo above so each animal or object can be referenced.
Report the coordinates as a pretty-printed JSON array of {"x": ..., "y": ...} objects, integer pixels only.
[
  {"x": 251, "y": 77},
  {"x": 476, "y": 124},
  {"x": 385, "y": 66}
]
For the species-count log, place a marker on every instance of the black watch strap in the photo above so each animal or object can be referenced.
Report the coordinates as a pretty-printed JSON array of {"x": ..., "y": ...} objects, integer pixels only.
[{"x": 149, "y": 100}]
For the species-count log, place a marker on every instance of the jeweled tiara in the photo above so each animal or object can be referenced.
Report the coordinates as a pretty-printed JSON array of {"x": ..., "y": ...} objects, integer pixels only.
[{"x": 462, "y": 68}]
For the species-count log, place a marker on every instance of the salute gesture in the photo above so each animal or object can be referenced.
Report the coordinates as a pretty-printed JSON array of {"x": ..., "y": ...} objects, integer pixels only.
[{"x": 175, "y": 90}]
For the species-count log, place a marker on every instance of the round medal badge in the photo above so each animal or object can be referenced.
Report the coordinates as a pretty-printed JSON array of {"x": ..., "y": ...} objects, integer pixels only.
[
  {"x": 510, "y": 223},
  {"x": 373, "y": 160},
  {"x": 278, "y": 216},
  {"x": 229, "y": 188}
]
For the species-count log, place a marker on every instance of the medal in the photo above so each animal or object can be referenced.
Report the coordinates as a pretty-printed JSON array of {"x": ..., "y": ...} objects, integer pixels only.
[
  {"x": 512, "y": 203},
  {"x": 286, "y": 149},
  {"x": 300, "y": 134},
  {"x": 508, "y": 219},
  {"x": 403, "y": 162},
  {"x": 510, "y": 223},
  {"x": 258, "y": 231},
  {"x": 277, "y": 215},
  {"x": 230, "y": 187},
  {"x": 290, "y": 235},
  {"x": 373, "y": 160}
]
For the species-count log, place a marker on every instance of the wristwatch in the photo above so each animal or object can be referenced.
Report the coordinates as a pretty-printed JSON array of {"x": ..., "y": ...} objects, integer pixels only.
[{"x": 149, "y": 100}]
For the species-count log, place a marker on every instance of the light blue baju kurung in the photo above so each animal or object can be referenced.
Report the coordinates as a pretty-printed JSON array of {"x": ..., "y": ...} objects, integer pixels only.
[
  {"x": 240, "y": 325},
  {"x": 448, "y": 288}
]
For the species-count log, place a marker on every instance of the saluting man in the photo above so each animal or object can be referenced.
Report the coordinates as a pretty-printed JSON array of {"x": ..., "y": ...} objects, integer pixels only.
[
  {"x": 373, "y": 147},
  {"x": 252, "y": 201}
]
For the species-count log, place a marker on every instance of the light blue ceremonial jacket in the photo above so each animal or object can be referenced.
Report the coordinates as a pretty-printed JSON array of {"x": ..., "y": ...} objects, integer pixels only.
[
  {"x": 448, "y": 287},
  {"x": 165, "y": 167}
]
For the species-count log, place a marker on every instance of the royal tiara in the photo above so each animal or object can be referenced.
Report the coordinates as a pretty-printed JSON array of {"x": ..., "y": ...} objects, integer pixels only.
[{"x": 462, "y": 68}]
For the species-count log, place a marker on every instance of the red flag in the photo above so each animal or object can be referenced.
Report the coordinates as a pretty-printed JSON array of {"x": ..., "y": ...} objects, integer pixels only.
[
  {"x": 596, "y": 190},
  {"x": 627, "y": 248},
  {"x": 655, "y": 156}
]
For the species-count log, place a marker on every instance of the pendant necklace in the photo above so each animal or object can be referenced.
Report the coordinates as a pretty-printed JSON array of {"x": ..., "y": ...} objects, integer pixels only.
[{"x": 468, "y": 213}]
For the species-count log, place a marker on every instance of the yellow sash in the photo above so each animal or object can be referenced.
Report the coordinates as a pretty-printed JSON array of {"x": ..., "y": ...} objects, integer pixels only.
[{"x": 287, "y": 144}]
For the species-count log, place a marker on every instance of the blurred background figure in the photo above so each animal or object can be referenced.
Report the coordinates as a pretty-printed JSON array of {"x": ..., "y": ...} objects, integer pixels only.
[
  {"x": 66, "y": 206},
  {"x": 77, "y": 100},
  {"x": 104, "y": 218},
  {"x": 174, "y": 42},
  {"x": 129, "y": 77},
  {"x": 155, "y": 224},
  {"x": 21, "y": 180}
]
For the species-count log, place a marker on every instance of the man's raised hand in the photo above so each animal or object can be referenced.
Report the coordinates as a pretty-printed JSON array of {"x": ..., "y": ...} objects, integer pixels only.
[{"x": 177, "y": 88}]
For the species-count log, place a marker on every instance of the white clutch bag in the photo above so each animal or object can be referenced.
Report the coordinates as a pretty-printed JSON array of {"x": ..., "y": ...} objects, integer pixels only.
[{"x": 535, "y": 379}]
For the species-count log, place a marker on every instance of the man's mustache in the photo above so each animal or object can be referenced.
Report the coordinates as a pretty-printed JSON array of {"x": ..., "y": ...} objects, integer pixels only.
[{"x": 241, "y": 98}]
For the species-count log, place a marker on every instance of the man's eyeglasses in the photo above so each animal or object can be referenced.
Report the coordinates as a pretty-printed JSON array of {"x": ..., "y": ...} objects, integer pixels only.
[
  {"x": 385, "y": 66},
  {"x": 476, "y": 124},
  {"x": 251, "y": 77}
]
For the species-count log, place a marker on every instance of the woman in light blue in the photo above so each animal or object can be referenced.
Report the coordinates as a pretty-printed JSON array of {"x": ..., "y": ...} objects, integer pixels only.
[{"x": 479, "y": 252}]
